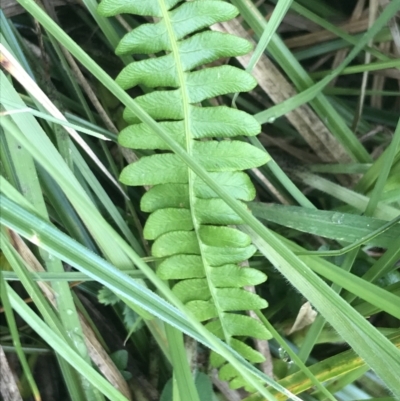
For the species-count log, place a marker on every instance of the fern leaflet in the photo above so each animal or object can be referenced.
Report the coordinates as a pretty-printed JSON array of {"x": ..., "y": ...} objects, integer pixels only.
[{"x": 188, "y": 222}]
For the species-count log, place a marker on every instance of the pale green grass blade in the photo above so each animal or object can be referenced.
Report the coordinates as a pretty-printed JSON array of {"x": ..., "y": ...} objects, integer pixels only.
[
  {"x": 63, "y": 209},
  {"x": 383, "y": 175},
  {"x": 335, "y": 45},
  {"x": 293, "y": 356},
  {"x": 366, "y": 309},
  {"x": 182, "y": 375},
  {"x": 28, "y": 184},
  {"x": 66, "y": 276},
  {"x": 277, "y": 16},
  {"x": 8, "y": 35},
  {"x": 75, "y": 387},
  {"x": 356, "y": 92},
  {"x": 62, "y": 348},
  {"x": 353, "y": 168},
  {"x": 382, "y": 266},
  {"x": 15, "y": 108},
  {"x": 16, "y": 339},
  {"x": 330, "y": 224},
  {"x": 328, "y": 270},
  {"x": 354, "y": 199},
  {"x": 361, "y": 288}
]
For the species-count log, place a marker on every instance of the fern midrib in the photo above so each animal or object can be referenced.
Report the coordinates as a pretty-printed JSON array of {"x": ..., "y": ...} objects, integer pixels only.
[{"x": 189, "y": 148}]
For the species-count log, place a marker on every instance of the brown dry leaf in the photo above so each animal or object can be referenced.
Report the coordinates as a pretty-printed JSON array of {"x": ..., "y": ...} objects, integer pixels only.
[
  {"x": 323, "y": 36},
  {"x": 8, "y": 387},
  {"x": 304, "y": 318}
]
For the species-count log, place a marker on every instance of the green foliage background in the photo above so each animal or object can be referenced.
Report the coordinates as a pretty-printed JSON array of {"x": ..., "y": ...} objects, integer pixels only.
[{"x": 54, "y": 195}]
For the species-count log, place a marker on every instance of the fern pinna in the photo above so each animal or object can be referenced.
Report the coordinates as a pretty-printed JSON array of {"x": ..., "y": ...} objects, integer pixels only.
[{"x": 188, "y": 221}]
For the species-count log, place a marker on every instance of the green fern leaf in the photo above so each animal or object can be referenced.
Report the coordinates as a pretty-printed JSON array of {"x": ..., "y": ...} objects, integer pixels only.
[
  {"x": 236, "y": 276},
  {"x": 239, "y": 325},
  {"x": 216, "y": 211},
  {"x": 164, "y": 196},
  {"x": 188, "y": 221},
  {"x": 237, "y": 183},
  {"x": 165, "y": 220},
  {"x": 180, "y": 267}
]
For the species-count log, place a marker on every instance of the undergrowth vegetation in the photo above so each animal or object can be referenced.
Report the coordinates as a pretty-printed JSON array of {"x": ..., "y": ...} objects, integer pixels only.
[{"x": 200, "y": 200}]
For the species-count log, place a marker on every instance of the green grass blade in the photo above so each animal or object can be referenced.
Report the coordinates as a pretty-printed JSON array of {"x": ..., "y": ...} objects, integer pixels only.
[
  {"x": 183, "y": 376},
  {"x": 16, "y": 339},
  {"x": 330, "y": 224},
  {"x": 62, "y": 348},
  {"x": 352, "y": 198}
]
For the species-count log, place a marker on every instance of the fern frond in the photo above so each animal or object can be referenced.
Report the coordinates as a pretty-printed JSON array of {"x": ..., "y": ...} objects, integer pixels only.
[{"x": 188, "y": 222}]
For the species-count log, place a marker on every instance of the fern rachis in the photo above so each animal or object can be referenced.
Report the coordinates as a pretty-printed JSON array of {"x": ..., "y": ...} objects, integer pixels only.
[{"x": 188, "y": 222}]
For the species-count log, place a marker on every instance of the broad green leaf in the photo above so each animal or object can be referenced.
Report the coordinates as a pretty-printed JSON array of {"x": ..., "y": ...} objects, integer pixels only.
[
  {"x": 228, "y": 155},
  {"x": 228, "y": 372},
  {"x": 217, "y": 256},
  {"x": 223, "y": 237},
  {"x": 167, "y": 105},
  {"x": 239, "y": 325},
  {"x": 236, "y": 183},
  {"x": 216, "y": 360},
  {"x": 221, "y": 121},
  {"x": 151, "y": 72},
  {"x": 243, "y": 349},
  {"x": 191, "y": 290},
  {"x": 109, "y": 8},
  {"x": 164, "y": 196},
  {"x": 233, "y": 299},
  {"x": 194, "y": 51},
  {"x": 211, "y": 82},
  {"x": 189, "y": 17},
  {"x": 155, "y": 104},
  {"x": 140, "y": 136},
  {"x": 179, "y": 267},
  {"x": 175, "y": 243},
  {"x": 239, "y": 382},
  {"x": 155, "y": 169},
  {"x": 204, "y": 387},
  {"x": 206, "y": 47},
  {"x": 236, "y": 276},
  {"x": 202, "y": 84},
  {"x": 215, "y": 122},
  {"x": 166, "y": 220},
  {"x": 247, "y": 352},
  {"x": 202, "y": 310},
  {"x": 216, "y": 211}
]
